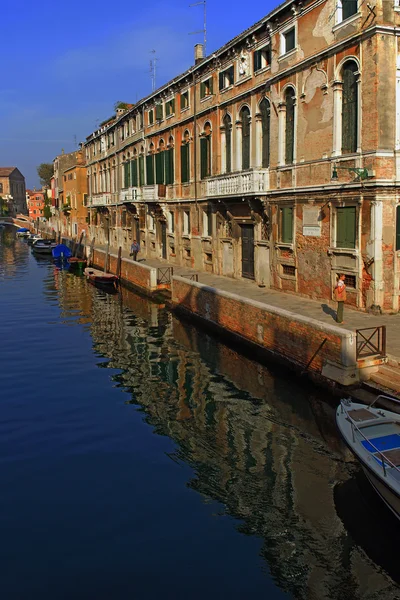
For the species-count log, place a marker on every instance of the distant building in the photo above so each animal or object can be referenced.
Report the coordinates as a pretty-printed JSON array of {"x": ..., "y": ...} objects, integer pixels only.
[
  {"x": 12, "y": 191},
  {"x": 35, "y": 202},
  {"x": 62, "y": 162},
  {"x": 75, "y": 197}
]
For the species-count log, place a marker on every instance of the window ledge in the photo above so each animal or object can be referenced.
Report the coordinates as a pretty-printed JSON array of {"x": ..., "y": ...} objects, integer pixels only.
[
  {"x": 287, "y": 54},
  {"x": 186, "y": 236},
  {"x": 242, "y": 79},
  {"x": 347, "y": 21},
  {"x": 169, "y": 116},
  {"x": 262, "y": 70},
  {"x": 185, "y": 109},
  {"x": 284, "y": 245},
  {"x": 206, "y": 238},
  {"x": 208, "y": 97},
  {"x": 332, "y": 250},
  {"x": 226, "y": 89}
]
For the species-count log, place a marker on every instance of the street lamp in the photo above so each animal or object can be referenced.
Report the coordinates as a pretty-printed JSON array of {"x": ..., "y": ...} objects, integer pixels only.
[{"x": 361, "y": 174}]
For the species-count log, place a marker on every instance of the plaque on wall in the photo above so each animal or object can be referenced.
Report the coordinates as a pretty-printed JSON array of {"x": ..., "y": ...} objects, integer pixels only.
[
  {"x": 312, "y": 231},
  {"x": 311, "y": 222}
]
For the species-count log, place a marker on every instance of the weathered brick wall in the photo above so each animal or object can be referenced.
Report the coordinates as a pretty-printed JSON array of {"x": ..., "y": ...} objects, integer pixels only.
[
  {"x": 289, "y": 335},
  {"x": 132, "y": 272}
]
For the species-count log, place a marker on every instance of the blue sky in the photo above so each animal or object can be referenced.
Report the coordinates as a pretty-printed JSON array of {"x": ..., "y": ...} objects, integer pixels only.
[{"x": 66, "y": 64}]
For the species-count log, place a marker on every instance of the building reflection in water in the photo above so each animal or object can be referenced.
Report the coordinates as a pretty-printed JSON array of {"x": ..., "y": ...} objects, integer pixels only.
[{"x": 261, "y": 443}]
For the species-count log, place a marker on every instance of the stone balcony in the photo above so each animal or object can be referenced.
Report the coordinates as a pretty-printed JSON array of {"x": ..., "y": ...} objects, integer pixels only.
[
  {"x": 131, "y": 194},
  {"x": 99, "y": 200},
  {"x": 152, "y": 193},
  {"x": 254, "y": 181}
]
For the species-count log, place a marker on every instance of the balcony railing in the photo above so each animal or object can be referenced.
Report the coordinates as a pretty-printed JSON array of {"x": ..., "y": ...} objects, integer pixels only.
[
  {"x": 231, "y": 184},
  {"x": 131, "y": 194},
  {"x": 100, "y": 200}
]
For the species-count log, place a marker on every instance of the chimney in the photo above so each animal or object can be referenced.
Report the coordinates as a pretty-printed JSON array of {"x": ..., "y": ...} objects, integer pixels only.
[{"x": 198, "y": 53}]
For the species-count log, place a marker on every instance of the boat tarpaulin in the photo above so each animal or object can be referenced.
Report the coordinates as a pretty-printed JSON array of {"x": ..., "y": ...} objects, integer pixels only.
[
  {"x": 61, "y": 251},
  {"x": 22, "y": 230}
]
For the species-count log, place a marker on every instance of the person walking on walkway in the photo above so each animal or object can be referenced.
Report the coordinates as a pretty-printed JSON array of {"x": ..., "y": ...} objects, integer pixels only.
[
  {"x": 135, "y": 248},
  {"x": 340, "y": 297}
]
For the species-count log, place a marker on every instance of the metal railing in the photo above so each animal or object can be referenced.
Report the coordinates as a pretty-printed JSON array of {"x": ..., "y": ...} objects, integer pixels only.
[
  {"x": 164, "y": 275},
  {"x": 371, "y": 341},
  {"x": 355, "y": 427}
]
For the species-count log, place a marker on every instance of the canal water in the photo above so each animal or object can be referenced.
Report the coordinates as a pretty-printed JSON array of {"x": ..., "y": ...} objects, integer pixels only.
[{"x": 141, "y": 458}]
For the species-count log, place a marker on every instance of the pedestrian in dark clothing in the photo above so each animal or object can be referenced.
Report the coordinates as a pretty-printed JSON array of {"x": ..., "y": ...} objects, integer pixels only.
[
  {"x": 135, "y": 248},
  {"x": 340, "y": 297}
]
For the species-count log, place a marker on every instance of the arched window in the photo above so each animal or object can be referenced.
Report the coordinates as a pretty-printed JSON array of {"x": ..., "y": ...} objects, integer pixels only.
[
  {"x": 185, "y": 158},
  {"x": 205, "y": 152},
  {"x": 265, "y": 111},
  {"x": 245, "y": 119},
  {"x": 289, "y": 129},
  {"x": 350, "y": 108},
  {"x": 228, "y": 143}
]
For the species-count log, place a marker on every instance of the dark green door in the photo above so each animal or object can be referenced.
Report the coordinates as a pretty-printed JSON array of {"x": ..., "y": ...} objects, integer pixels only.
[
  {"x": 164, "y": 239},
  {"x": 248, "y": 251}
]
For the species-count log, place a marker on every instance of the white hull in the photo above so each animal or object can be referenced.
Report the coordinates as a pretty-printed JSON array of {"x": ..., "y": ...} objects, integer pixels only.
[{"x": 373, "y": 436}]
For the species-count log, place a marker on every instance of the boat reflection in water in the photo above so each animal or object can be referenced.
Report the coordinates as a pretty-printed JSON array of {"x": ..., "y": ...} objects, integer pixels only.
[{"x": 258, "y": 442}]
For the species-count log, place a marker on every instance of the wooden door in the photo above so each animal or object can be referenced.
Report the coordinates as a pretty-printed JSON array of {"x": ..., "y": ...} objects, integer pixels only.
[{"x": 248, "y": 251}]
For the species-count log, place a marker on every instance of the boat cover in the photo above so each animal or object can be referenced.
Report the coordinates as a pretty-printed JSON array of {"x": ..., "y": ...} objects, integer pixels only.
[
  {"x": 22, "y": 230},
  {"x": 61, "y": 251}
]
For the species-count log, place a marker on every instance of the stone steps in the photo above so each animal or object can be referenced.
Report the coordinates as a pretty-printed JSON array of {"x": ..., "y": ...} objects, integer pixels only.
[{"x": 388, "y": 378}]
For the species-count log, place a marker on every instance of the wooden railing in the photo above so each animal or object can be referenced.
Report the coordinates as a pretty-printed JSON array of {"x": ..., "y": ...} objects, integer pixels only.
[{"x": 371, "y": 341}]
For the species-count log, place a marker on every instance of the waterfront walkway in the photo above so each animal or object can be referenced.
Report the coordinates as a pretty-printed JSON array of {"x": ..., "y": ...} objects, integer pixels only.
[{"x": 321, "y": 310}]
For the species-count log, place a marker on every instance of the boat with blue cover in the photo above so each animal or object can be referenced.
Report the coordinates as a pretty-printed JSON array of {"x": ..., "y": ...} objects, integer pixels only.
[
  {"x": 23, "y": 232},
  {"x": 373, "y": 436},
  {"x": 61, "y": 252}
]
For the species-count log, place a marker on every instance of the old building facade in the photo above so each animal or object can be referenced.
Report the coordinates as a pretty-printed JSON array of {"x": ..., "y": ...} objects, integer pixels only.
[
  {"x": 35, "y": 203},
  {"x": 274, "y": 159},
  {"x": 12, "y": 191}
]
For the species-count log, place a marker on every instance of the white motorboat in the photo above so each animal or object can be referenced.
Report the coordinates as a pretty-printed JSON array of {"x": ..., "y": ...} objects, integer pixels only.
[
  {"x": 34, "y": 237},
  {"x": 373, "y": 435},
  {"x": 43, "y": 246}
]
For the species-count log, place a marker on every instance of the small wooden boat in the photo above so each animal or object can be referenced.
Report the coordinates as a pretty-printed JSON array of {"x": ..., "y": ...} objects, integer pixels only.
[
  {"x": 373, "y": 436},
  {"x": 34, "y": 237},
  {"x": 99, "y": 277},
  {"x": 77, "y": 263}
]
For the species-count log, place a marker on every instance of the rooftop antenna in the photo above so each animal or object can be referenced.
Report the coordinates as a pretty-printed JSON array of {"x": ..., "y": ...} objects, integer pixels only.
[
  {"x": 204, "y": 30},
  {"x": 153, "y": 70}
]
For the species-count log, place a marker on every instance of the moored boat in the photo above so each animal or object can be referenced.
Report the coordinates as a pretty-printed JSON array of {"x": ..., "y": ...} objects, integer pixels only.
[
  {"x": 61, "y": 252},
  {"x": 43, "y": 246},
  {"x": 99, "y": 277},
  {"x": 34, "y": 237},
  {"x": 77, "y": 263},
  {"x": 23, "y": 232},
  {"x": 373, "y": 436}
]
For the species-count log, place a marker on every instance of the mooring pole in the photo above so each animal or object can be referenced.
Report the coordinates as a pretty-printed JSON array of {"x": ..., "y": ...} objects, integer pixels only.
[
  {"x": 90, "y": 261},
  {"x": 106, "y": 261},
  {"x": 119, "y": 262}
]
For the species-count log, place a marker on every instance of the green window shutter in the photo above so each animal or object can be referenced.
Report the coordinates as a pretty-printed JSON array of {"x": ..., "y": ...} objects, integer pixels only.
[
  {"x": 160, "y": 167},
  {"x": 221, "y": 81},
  {"x": 287, "y": 224},
  {"x": 349, "y": 108},
  {"x": 211, "y": 85},
  {"x": 150, "y": 169},
  {"x": 141, "y": 170},
  {"x": 173, "y": 105},
  {"x": 289, "y": 141},
  {"x": 349, "y": 8},
  {"x": 169, "y": 166},
  {"x": 398, "y": 227},
  {"x": 202, "y": 89},
  {"x": 346, "y": 227},
  {"x": 203, "y": 157},
  {"x": 134, "y": 176},
  {"x": 257, "y": 60},
  {"x": 185, "y": 163},
  {"x": 126, "y": 175},
  {"x": 159, "y": 112}
]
